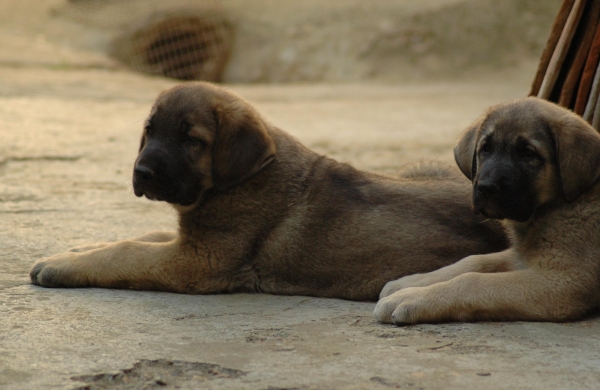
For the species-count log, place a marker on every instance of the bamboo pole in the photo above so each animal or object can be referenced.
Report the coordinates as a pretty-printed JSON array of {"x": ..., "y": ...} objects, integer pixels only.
[
  {"x": 557, "y": 27},
  {"x": 590, "y": 107},
  {"x": 596, "y": 119},
  {"x": 581, "y": 44},
  {"x": 587, "y": 78},
  {"x": 560, "y": 52}
]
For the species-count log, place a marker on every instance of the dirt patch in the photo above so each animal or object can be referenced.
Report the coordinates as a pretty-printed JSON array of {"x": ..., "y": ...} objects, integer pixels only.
[{"x": 151, "y": 374}]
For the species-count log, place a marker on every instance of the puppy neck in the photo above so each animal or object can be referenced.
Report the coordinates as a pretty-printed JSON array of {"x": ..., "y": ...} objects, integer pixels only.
[
  {"x": 518, "y": 231},
  {"x": 202, "y": 197}
]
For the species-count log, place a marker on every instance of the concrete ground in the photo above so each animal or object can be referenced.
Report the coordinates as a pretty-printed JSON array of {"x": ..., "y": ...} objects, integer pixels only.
[
  {"x": 68, "y": 137},
  {"x": 68, "y": 142}
]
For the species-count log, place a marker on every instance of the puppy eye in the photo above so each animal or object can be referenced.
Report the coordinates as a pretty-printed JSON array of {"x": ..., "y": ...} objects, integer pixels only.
[
  {"x": 184, "y": 127},
  {"x": 485, "y": 148},
  {"x": 148, "y": 130},
  {"x": 530, "y": 153},
  {"x": 194, "y": 141}
]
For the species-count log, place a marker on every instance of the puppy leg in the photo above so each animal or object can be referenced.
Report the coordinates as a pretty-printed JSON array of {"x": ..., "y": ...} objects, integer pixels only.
[
  {"x": 132, "y": 264},
  {"x": 159, "y": 236},
  {"x": 519, "y": 295},
  {"x": 494, "y": 262},
  {"x": 150, "y": 237}
]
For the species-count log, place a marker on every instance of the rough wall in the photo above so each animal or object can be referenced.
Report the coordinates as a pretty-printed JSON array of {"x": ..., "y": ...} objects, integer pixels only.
[{"x": 349, "y": 40}]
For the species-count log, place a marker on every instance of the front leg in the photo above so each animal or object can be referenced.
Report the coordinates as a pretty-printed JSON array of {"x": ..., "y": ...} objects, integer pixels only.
[
  {"x": 158, "y": 236},
  {"x": 503, "y": 261},
  {"x": 132, "y": 264},
  {"x": 519, "y": 295}
]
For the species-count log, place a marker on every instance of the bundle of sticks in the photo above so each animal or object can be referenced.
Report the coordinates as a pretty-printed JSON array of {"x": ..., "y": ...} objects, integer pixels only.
[{"x": 569, "y": 70}]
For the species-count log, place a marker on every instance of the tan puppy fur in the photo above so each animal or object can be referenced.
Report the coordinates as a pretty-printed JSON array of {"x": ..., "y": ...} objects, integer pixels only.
[
  {"x": 536, "y": 166},
  {"x": 259, "y": 212}
]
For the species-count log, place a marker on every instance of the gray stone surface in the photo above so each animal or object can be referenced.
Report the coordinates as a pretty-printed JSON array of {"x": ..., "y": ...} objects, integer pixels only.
[{"x": 68, "y": 143}]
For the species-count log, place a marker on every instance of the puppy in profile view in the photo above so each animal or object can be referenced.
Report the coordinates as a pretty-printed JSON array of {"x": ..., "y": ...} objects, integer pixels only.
[{"x": 260, "y": 212}]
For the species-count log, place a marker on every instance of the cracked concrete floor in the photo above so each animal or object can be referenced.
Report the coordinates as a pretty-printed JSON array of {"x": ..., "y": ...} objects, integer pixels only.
[{"x": 68, "y": 140}]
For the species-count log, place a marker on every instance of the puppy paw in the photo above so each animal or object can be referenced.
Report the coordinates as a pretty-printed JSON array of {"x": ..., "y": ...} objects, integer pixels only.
[
  {"x": 407, "y": 306},
  {"x": 159, "y": 236},
  {"x": 57, "y": 271},
  {"x": 391, "y": 287},
  {"x": 89, "y": 247},
  {"x": 416, "y": 280}
]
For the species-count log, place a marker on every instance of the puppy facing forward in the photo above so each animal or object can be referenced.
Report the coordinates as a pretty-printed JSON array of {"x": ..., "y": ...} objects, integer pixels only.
[
  {"x": 536, "y": 166},
  {"x": 259, "y": 212}
]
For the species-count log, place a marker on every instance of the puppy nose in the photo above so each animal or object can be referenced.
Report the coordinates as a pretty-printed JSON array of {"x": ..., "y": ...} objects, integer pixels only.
[
  {"x": 142, "y": 172},
  {"x": 487, "y": 188}
]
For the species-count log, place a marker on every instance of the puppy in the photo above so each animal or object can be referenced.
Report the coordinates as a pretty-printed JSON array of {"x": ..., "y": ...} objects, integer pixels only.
[
  {"x": 259, "y": 212},
  {"x": 536, "y": 166}
]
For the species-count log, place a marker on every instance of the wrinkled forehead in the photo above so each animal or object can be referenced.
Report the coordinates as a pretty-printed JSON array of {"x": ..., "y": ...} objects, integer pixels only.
[
  {"x": 516, "y": 123},
  {"x": 180, "y": 104}
]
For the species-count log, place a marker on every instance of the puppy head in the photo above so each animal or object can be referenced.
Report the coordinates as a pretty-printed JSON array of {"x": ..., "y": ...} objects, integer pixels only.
[
  {"x": 526, "y": 153},
  {"x": 199, "y": 136}
]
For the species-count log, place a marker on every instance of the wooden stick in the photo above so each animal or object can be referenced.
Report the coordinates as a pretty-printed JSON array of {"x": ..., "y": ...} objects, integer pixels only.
[
  {"x": 587, "y": 78},
  {"x": 578, "y": 53},
  {"x": 561, "y": 50},
  {"x": 596, "y": 120},
  {"x": 588, "y": 114},
  {"x": 557, "y": 27}
]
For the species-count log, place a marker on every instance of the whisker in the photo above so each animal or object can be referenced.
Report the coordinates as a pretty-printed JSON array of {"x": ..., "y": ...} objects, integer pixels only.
[{"x": 126, "y": 186}]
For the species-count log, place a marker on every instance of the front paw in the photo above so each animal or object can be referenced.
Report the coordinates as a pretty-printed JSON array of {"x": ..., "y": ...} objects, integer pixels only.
[
  {"x": 416, "y": 280},
  {"x": 57, "y": 271},
  {"x": 407, "y": 306},
  {"x": 89, "y": 247}
]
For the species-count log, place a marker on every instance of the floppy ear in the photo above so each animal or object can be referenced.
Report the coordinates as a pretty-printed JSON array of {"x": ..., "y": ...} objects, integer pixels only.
[
  {"x": 243, "y": 146},
  {"x": 577, "y": 154},
  {"x": 464, "y": 151}
]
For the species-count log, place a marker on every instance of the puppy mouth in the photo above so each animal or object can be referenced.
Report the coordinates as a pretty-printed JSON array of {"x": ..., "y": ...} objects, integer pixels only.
[
  {"x": 488, "y": 213},
  {"x": 512, "y": 212},
  {"x": 153, "y": 197},
  {"x": 163, "y": 198},
  {"x": 149, "y": 195},
  {"x": 487, "y": 210},
  {"x": 138, "y": 192}
]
